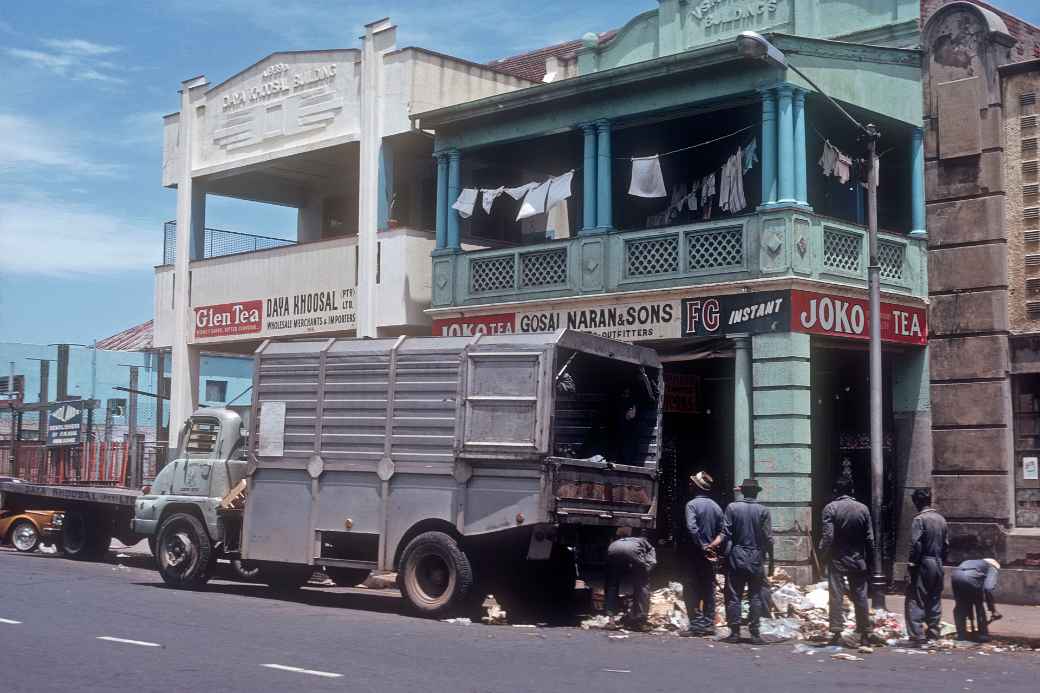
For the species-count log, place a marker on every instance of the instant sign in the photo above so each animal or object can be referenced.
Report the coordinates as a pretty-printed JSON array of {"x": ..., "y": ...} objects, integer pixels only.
[{"x": 754, "y": 313}]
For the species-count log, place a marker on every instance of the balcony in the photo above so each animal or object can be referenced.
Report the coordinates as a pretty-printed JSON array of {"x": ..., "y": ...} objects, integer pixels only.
[
  {"x": 782, "y": 243},
  {"x": 218, "y": 243}
]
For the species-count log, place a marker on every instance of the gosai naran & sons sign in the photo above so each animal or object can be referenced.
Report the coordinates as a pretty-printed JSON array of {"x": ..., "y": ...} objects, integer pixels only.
[{"x": 328, "y": 310}]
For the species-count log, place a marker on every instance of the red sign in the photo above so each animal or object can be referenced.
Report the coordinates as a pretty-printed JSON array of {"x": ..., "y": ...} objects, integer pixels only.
[
  {"x": 842, "y": 316},
  {"x": 229, "y": 319},
  {"x": 501, "y": 323}
]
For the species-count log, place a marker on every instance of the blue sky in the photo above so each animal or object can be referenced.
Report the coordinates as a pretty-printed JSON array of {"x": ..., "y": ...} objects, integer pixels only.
[{"x": 85, "y": 85}]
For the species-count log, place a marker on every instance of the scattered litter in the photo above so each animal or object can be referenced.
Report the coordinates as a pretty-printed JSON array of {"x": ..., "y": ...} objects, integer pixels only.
[
  {"x": 495, "y": 616},
  {"x": 458, "y": 621},
  {"x": 619, "y": 671},
  {"x": 778, "y": 629},
  {"x": 119, "y": 567},
  {"x": 846, "y": 656},
  {"x": 667, "y": 609},
  {"x": 600, "y": 621},
  {"x": 866, "y": 649},
  {"x": 618, "y": 636},
  {"x": 524, "y": 625},
  {"x": 122, "y": 555}
]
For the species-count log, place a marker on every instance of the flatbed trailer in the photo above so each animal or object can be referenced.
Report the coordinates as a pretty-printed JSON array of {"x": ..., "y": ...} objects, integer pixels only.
[{"x": 93, "y": 515}]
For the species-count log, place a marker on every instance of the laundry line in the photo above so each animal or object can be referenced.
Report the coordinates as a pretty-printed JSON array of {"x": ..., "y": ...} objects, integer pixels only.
[{"x": 693, "y": 146}]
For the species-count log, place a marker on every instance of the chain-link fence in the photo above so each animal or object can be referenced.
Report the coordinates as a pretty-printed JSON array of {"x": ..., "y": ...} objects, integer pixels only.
[{"x": 218, "y": 243}]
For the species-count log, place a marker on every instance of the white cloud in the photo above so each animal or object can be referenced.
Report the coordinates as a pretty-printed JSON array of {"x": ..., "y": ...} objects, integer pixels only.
[
  {"x": 80, "y": 47},
  {"x": 75, "y": 59},
  {"x": 60, "y": 238},
  {"x": 30, "y": 146}
]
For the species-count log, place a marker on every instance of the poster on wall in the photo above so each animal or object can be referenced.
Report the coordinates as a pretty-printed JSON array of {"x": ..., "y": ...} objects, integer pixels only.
[{"x": 1030, "y": 469}]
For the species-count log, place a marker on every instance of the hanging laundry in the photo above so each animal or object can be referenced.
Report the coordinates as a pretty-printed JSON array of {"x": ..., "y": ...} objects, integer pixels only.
[
  {"x": 464, "y": 205},
  {"x": 559, "y": 189},
  {"x": 707, "y": 189},
  {"x": 843, "y": 167},
  {"x": 750, "y": 155},
  {"x": 557, "y": 221},
  {"x": 731, "y": 184},
  {"x": 488, "y": 197},
  {"x": 691, "y": 199},
  {"x": 534, "y": 201},
  {"x": 680, "y": 193},
  {"x": 647, "y": 179},
  {"x": 518, "y": 192}
]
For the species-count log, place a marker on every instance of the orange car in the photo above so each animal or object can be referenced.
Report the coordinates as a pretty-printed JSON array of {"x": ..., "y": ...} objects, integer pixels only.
[{"x": 27, "y": 530}]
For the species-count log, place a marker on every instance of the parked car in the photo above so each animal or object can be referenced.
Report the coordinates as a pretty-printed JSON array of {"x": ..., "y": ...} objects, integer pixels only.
[{"x": 27, "y": 530}]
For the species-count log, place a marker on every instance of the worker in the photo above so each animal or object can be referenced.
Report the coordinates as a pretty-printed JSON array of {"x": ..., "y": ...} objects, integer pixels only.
[
  {"x": 973, "y": 582},
  {"x": 747, "y": 530},
  {"x": 846, "y": 545},
  {"x": 928, "y": 546},
  {"x": 630, "y": 559},
  {"x": 704, "y": 520}
]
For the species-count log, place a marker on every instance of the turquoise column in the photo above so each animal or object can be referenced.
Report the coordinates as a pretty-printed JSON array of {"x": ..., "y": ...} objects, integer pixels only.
[
  {"x": 442, "y": 201},
  {"x": 454, "y": 188},
  {"x": 785, "y": 133},
  {"x": 768, "y": 149},
  {"x": 386, "y": 184},
  {"x": 742, "y": 407},
  {"x": 917, "y": 213},
  {"x": 589, "y": 184},
  {"x": 604, "y": 171},
  {"x": 801, "y": 193}
]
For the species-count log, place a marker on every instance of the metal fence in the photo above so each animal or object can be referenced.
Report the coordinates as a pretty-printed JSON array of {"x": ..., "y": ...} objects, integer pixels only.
[
  {"x": 217, "y": 243},
  {"x": 94, "y": 463}
]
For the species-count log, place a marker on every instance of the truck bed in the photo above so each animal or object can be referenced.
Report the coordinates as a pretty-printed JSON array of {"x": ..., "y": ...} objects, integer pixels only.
[{"x": 106, "y": 496}]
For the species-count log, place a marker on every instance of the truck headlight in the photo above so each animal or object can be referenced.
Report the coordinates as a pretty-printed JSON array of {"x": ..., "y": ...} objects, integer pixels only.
[{"x": 58, "y": 520}]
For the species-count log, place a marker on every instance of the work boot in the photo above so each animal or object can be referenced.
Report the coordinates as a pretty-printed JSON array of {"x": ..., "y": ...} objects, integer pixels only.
[
  {"x": 734, "y": 636},
  {"x": 864, "y": 639},
  {"x": 756, "y": 639},
  {"x": 836, "y": 639}
]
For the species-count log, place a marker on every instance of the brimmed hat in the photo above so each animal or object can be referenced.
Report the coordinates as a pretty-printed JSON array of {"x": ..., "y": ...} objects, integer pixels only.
[
  {"x": 992, "y": 562},
  {"x": 750, "y": 484},
  {"x": 702, "y": 480}
]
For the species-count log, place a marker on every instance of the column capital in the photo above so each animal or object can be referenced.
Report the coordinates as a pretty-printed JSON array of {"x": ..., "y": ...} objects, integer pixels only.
[
  {"x": 741, "y": 340},
  {"x": 799, "y": 95},
  {"x": 453, "y": 154},
  {"x": 602, "y": 124},
  {"x": 785, "y": 91},
  {"x": 588, "y": 127},
  {"x": 440, "y": 156}
]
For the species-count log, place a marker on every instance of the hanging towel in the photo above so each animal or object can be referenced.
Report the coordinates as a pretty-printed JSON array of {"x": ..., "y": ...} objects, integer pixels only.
[
  {"x": 519, "y": 192},
  {"x": 464, "y": 205},
  {"x": 731, "y": 184},
  {"x": 647, "y": 179},
  {"x": 750, "y": 155},
  {"x": 557, "y": 221},
  {"x": 534, "y": 201},
  {"x": 828, "y": 158},
  {"x": 559, "y": 190},
  {"x": 487, "y": 198}
]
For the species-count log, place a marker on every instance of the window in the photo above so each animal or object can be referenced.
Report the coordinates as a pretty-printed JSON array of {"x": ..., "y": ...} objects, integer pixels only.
[
  {"x": 216, "y": 390},
  {"x": 1026, "y": 407}
]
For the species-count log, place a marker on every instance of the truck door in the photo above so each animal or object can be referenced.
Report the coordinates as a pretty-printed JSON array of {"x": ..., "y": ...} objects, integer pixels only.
[{"x": 505, "y": 405}]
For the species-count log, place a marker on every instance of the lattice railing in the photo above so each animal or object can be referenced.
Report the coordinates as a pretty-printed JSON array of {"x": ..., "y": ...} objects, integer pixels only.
[
  {"x": 218, "y": 243},
  {"x": 842, "y": 250},
  {"x": 715, "y": 249},
  {"x": 891, "y": 257},
  {"x": 652, "y": 256},
  {"x": 492, "y": 274},
  {"x": 547, "y": 268}
]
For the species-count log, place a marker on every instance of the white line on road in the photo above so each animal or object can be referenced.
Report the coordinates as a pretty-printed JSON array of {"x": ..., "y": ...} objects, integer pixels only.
[
  {"x": 10, "y": 622},
  {"x": 297, "y": 670},
  {"x": 142, "y": 643}
]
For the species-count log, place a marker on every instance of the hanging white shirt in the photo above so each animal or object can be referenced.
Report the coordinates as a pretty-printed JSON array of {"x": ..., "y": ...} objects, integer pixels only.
[
  {"x": 534, "y": 201},
  {"x": 647, "y": 179},
  {"x": 518, "y": 192},
  {"x": 559, "y": 189},
  {"x": 487, "y": 197},
  {"x": 464, "y": 205}
]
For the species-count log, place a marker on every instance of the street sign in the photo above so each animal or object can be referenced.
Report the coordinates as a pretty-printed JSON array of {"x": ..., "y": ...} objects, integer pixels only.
[{"x": 64, "y": 422}]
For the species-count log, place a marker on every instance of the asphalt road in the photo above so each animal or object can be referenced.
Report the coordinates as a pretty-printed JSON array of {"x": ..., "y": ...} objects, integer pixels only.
[{"x": 68, "y": 626}]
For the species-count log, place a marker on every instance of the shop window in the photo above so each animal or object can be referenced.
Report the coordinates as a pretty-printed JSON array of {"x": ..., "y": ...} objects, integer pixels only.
[
  {"x": 1026, "y": 408},
  {"x": 216, "y": 390}
]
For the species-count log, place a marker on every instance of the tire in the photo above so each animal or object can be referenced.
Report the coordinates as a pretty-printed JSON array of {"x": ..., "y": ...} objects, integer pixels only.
[
  {"x": 185, "y": 552},
  {"x": 285, "y": 577},
  {"x": 24, "y": 536},
  {"x": 436, "y": 576},
  {"x": 84, "y": 537},
  {"x": 244, "y": 570},
  {"x": 347, "y": 577}
]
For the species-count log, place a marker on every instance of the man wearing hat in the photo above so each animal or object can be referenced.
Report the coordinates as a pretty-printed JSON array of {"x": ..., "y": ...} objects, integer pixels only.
[
  {"x": 929, "y": 543},
  {"x": 748, "y": 531},
  {"x": 704, "y": 520},
  {"x": 847, "y": 543},
  {"x": 973, "y": 582}
]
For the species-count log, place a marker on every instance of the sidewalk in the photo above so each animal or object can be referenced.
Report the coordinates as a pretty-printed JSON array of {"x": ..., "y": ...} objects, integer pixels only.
[{"x": 1020, "y": 624}]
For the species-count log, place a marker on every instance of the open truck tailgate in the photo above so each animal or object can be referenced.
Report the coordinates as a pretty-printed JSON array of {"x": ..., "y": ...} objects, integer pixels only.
[{"x": 597, "y": 492}]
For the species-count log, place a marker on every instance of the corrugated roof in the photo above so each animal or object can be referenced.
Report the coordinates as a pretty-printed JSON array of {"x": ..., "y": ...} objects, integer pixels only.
[
  {"x": 136, "y": 338},
  {"x": 531, "y": 65}
]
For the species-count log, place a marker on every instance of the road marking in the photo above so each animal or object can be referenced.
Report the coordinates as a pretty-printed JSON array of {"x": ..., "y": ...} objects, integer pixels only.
[
  {"x": 619, "y": 671},
  {"x": 142, "y": 643},
  {"x": 10, "y": 622},
  {"x": 297, "y": 670}
]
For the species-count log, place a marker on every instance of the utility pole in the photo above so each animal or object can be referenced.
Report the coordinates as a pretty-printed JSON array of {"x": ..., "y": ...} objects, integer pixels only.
[
  {"x": 44, "y": 397},
  {"x": 134, "y": 473},
  {"x": 14, "y": 419},
  {"x": 93, "y": 387},
  {"x": 160, "y": 404}
]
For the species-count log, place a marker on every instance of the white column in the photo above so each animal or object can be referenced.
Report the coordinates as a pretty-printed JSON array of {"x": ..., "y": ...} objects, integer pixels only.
[
  {"x": 191, "y": 220},
  {"x": 379, "y": 38}
]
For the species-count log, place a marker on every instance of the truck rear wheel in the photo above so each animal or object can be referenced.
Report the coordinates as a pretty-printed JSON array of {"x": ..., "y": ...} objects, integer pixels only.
[
  {"x": 436, "y": 576},
  {"x": 184, "y": 552},
  {"x": 85, "y": 537}
]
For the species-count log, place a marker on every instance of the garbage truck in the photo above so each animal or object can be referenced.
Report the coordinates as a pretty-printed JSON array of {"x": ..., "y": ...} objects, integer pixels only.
[{"x": 467, "y": 465}]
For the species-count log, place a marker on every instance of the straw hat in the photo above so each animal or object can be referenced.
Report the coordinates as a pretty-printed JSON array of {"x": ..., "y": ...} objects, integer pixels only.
[
  {"x": 992, "y": 562},
  {"x": 702, "y": 480}
]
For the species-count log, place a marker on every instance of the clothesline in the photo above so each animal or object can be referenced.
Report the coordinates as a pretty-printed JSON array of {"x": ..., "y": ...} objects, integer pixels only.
[
  {"x": 694, "y": 146},
  {"x": 827, "y": 139}
]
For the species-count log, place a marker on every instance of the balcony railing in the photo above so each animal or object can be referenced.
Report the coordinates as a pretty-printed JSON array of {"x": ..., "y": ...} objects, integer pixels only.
[
  {"x": 769, "y": 245},
  {"x": 218, "y": 243}
]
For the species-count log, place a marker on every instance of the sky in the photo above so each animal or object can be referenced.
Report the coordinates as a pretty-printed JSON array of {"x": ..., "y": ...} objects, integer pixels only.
[{"x": 85, "y": 86}]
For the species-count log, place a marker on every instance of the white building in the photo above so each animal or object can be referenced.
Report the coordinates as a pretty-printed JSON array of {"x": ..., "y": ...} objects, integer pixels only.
[{"x": 328, "y": 133}]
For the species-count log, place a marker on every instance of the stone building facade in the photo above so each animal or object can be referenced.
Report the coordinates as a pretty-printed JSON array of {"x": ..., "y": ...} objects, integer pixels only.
[{"x": 980, "y": 163}]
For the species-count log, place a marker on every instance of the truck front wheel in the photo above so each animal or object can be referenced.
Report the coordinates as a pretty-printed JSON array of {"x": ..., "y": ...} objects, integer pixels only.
[
  {"x": 184, "y": 552},
  {"x": 436, "y": 576}
]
